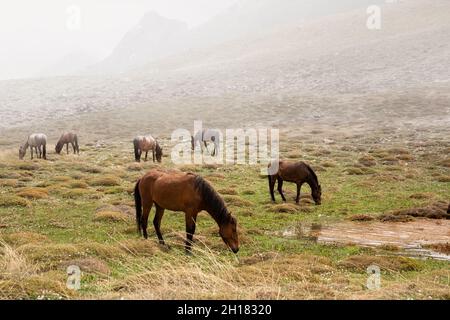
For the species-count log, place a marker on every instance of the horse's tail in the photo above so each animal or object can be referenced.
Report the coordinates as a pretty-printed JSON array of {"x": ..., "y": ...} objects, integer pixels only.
[
  {"x": 138, "y": 204},
  {"x": 75, "y": 138},
  {"x": 136, "y": 149}
]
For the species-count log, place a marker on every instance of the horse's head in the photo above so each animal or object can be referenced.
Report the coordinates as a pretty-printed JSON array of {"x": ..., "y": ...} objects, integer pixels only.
[
  {"x": 317, "y": 195},
  {"x": 58, "y": 147},
  {"x": 22, "y": 151},
  {"x": 228, "y": 232},
  {"x": 158, "y": 153}
]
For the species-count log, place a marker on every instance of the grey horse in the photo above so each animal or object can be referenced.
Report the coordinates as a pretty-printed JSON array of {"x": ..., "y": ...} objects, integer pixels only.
[
  {"x": 36, "y": 141},
  {"x": 203, "y": 137}
]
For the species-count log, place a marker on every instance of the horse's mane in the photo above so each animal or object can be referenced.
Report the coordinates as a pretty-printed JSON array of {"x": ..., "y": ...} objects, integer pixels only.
[
  {"x": 216, "y": 206},
  {"x": 313, "y": 174}
]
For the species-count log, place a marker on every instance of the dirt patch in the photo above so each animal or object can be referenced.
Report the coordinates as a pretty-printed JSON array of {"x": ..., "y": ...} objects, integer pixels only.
[{"x": 88, "y": 265}]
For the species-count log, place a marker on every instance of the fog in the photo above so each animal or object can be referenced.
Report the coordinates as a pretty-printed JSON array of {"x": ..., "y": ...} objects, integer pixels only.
[
  {"x": 67, "y": 37},
  {"x": 34, "y": 35}
]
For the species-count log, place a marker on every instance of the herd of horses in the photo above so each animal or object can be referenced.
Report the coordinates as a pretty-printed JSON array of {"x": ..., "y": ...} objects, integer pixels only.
[{"x": 186, "y": 192}]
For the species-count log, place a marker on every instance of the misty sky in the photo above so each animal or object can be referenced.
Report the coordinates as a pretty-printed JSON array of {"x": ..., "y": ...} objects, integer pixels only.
[{"x": 34, "y": 33}]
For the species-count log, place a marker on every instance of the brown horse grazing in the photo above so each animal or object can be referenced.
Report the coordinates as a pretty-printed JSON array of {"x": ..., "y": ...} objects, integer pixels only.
[
  {"x": 145, "y": 144},
  {"x": 298, "y": 173},
  {"x": 65, "y": 139},
  {"x": 186, "y": 192}
]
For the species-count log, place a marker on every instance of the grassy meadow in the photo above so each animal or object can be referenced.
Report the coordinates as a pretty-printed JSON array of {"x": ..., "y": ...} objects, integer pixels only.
[{"x": 79, "y": 210}]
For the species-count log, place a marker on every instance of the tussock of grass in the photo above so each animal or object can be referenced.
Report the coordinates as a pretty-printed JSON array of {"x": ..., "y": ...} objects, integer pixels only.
[
  {"x": 361, "y": 217},
  {"x": 443, "y": 178},
  {"x": 110, "y": 216},
  {"x": 74, "y": 193},
  {"x": 13, "y": 201},
  {"x": 228, "y": 191},
  {"x": 27, "y": 166},
  {"x": 12, "y": 183},
  {"x": 367, "y": 161},
  {"x": 21, "y": 238},
  {"x": 88, "y": 265},
  {"x": 105, "y": 181},
  {"x": 360, "y": 263},
  {"x": 237, "y": 201},
  {"x": 138, "y": 247},
  {"x": 61, "y": 178},
  {"x": 78, "y": 185},
  {"x": 33, "y": 193}
]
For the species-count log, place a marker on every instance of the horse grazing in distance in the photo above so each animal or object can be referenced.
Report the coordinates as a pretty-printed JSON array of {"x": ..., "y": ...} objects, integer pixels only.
[
  {"x": 298, "y": 173},
  {"x": 186, "y": 192},
  {"x": 36, "y": 141},
  {"x": 65, "y": 139},
  {"x": 203, "y": 137},
  {"x": 145, "y": 144}
]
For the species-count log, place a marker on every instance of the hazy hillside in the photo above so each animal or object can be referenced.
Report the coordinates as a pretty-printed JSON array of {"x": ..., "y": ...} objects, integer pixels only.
[
  {"x": 329, "y": 69},
  {"x": 154, "y": 37},
  {"x": 157, "y": 37}
]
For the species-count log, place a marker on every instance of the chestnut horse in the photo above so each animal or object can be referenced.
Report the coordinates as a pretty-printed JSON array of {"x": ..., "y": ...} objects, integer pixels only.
[
  {"x": 36, "y": 141},
  {"x": 186, "y": 192},
  {"x": 65, "y": 139},
  {"x": 298, "y": 173},
  {"x": 145, "y": 144}
]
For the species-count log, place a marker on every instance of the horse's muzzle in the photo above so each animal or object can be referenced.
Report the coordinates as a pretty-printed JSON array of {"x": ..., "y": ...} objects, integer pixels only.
[{"x": 235, "y": 250}]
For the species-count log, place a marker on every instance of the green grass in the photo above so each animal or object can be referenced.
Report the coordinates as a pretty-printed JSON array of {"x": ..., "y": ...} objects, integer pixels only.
[{"x": 73, "y": 226}]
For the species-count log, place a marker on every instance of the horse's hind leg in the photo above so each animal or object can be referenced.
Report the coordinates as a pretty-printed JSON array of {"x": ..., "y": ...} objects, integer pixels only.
[
  {"x": 67, "y": 148},
  {"x": 191, "y": 221},
  {"x": 44, "y": 151},
  {"x": 74, "y": 149},
  {"x": 146, "y": 208},
  {"x": 31, "y": 151},
  {"x": 280, "y": 188},
  {"x": 157, "y": 223},
  {"x": 146, "y": 155}
]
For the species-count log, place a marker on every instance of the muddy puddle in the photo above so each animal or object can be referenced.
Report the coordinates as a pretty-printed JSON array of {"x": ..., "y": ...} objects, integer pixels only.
[{"x": 411, "y": 238}]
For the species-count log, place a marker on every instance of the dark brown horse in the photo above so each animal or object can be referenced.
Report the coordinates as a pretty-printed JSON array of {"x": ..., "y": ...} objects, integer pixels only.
[
  {"x": 65, "y": 139},
  {"x": 146, "y": 144},
  {"x": 298, "y": 173},
  {"x": 186, "y": 192}
]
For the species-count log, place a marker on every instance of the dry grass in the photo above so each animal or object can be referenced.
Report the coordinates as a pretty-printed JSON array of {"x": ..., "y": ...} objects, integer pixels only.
[
  {"x": 8, "y": 183},
  {"x": 13, "y": 201},
  {"x": 33, "y": 193},
  {"x": 111, "y": 216},
  {"x": 105, "y": 181},
  {"x": 360, "y": 263}
]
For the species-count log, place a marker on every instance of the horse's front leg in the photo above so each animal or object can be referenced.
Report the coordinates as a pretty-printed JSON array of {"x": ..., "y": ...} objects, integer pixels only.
[
  {"x": 299, "y": 187},
  {"x": 67, "y": 148},
  {"x": 272, "y": 187},
  {"x": 191, "y": 221},
  {"x": 280, "y": 188},
  {"x": 31, "y": 151},
  {"x": 74, "y": 149},
  {"x": 40, "y": 152},
  {"x": 146, "y": 155}
]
